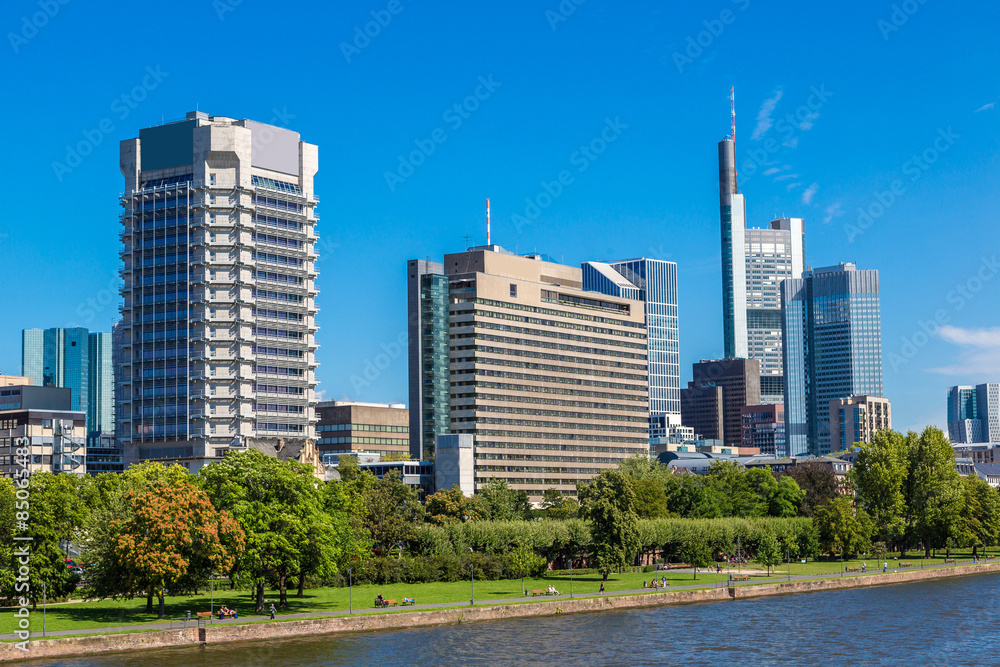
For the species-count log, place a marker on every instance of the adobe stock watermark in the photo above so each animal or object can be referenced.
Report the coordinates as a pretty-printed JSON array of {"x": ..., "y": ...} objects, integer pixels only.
[
  {"x": 581, "y": 158},
  {"x": 375, "y": 366},
  {"x": 898, "y": 17},
  {"x": 789, "y": 127},
  {"x": 454, "y": 116},
  {"x": 957, "y": 298},
  {"x": 22, "y": 550},
  {"x": 700, "y": 42},
  {"x": 223, "y": 7},
  {"x": 30, "y": 25},
  {"x": 562, "y": 12},
  {"x": 363, "y": 35},
  {"x": 121, "y": 107},
  {"x": 106, "y": 297},
  {"x": 914, "y": 168}
]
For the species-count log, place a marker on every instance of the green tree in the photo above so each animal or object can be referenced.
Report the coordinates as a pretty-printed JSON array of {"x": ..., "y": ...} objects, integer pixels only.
[
  {"x": 650, "y": 498},
  {"x": 391, "y": 511},
  {"x": 768, "y": 552},
  {"x": 449, "y": 505},
  {"x": 608, "y": 503},
  {"x": 732, "y": 492},
  {"x": 842, "y": 528},
  {"x": 878, "y": 477},
  {"x": 7, "y": 533},
  {"x": 980, "y": 523},
  {"x": 697, "y": 552},
  {"x": 817, "y": 480},
  {"x": 280, "y": 509},
  {"x": 786, "y": 498},
  {"x": 496, "y": 501},
  {"x": 558, "y": 506},
  {"x": 933, "y": 491},
  {"x": 524, "y": 561}
]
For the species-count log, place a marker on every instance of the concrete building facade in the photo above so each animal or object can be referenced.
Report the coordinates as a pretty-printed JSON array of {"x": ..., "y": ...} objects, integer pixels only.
[
  {"x": 551, "y": 379},
  {"x": 739, "y": 382},
  {"x": 763, "y": 427},
  {"x": 350, "y": 427},
  {"x": 857, "y": 419},
  {"x": 217, "y": 336},
  {"x": 40, "y": 433},
  {"x": 974, "y": 413}
]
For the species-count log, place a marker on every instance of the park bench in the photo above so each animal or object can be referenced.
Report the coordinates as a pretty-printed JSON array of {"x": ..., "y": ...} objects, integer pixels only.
[
  {"x": 538, "y": 592},
  {"x": 990, "y": 556},
  {"x": 949, "y": 560},
  {"x": 854, "y": 569},
  {"x": 906, "y": 564},
  {"x": 204, "y": 614},
  {"x": 407, "y": 601},
  {"x": 390, "y": 603},
  {"x": 741, "y": 577}
]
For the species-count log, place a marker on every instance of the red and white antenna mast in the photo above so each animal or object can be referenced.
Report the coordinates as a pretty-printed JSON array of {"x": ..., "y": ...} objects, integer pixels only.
[
  {"x": 732, "y": 110},
  {"x": 488, "y": 221}
]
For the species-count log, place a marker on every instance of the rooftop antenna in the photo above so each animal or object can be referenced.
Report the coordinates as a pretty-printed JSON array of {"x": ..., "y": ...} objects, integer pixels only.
[
  {"x": 467, "y": 238},
  {"x": 488, "y": 221},
  {"x": 732, "y": 111}
]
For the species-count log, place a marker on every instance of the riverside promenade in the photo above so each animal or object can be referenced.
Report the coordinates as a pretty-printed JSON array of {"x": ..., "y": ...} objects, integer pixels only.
[{"x": 250, "y": 628}]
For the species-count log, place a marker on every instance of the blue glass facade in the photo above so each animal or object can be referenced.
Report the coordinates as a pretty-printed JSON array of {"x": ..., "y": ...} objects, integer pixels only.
[
  {"x": 430, "y": 387},
  {"x": 654, "y": 282},
  {"x": 833, "y": 349},
  {"x": 77, "y": 360}
]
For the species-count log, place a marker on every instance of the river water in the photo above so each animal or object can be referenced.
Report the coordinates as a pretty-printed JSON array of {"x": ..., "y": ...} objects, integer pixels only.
[{"x": 943, "y": 622}]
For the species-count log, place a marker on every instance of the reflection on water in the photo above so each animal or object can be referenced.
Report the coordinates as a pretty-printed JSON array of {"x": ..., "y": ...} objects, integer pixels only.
[{"x": 949, "y": 621}]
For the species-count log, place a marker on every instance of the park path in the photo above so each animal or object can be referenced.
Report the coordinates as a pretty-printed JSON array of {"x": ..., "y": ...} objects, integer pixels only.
[{"x": 775, "y": 576}]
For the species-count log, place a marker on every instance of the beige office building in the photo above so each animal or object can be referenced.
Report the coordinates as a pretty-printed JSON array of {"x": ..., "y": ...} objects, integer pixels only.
[
  {"x": 551, "y": 380},
  {"x": 857, "y": 419},
  {"x": 353, "y": 427}
]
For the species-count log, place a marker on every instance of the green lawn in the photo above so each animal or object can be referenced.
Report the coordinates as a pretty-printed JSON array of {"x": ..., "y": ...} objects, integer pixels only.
[{"x": 106, "y": 613}]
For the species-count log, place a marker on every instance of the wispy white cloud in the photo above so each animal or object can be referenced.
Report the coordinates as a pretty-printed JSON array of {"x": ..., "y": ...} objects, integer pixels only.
[
  {"x": 785, "y": 177},
  {"x": 809, "y": 120},
  {"x": 808, "y": 193},
  {"x": 792, "y": 186},
  {"x": 981, "y": 355},
  {"x": 764, "y": 121},
  {"x": 832, "y": 211},
  {"x": 772, "y": 171},
  {"x": 986, "y": 106},
  {"x": 791, "y": 143}
]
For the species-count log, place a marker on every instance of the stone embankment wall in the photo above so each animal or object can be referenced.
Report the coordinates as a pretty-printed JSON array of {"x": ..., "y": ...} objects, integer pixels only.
[{"x": 261, "y": 631}]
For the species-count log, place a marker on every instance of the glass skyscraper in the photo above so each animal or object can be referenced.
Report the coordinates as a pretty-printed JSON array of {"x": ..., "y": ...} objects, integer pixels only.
[
  {"x": 974, "y": 413},
  {"x": 654, "y": 282},
  {"x": 216, "y": 345},
  {"x": 78, "y": 360},
  {"x": 833, "y": 349},
  {"x": 754, "y": 262},
  {"x": 427, "y": 293}
]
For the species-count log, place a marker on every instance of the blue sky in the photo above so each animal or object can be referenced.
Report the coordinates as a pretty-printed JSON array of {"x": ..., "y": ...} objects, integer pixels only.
[{"x": 903, "y": 126}]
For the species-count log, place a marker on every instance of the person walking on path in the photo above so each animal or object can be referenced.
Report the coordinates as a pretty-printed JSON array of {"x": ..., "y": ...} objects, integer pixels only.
[
  {"x": 602, "y": 587},
  {"x": 272, "y": 611},
  {"x": 885, "y": 566}
]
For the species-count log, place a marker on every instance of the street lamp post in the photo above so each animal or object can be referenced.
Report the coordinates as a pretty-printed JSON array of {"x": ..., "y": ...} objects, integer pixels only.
[
  {"x": 350, "y": 588},
  {"x": 43, "y": 608},
  {"x": 472, "y": 578},
  {"x": 211, "y": 584},
  {"x": 571, "y": 576}
]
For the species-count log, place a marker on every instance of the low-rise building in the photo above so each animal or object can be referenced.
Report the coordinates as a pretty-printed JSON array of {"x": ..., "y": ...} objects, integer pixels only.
[
  {"x": 38, "y": 431},
  {"x": 988, "y": 472},
  {"x": 857, "y": 419},
  {"x": 983, "y": 452},
  {"x": 350, "y": 427},
  {"x": 764, "y": 428},
  {"x": 14, "y": 380}
]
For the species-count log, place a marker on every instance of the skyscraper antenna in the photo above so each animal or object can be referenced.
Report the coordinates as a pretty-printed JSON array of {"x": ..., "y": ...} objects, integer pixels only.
[
  {"x": 732, "y": 110},
  {"x": 488, "y": 221}
]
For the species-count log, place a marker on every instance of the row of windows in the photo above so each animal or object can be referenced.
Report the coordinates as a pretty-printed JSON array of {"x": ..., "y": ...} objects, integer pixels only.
[
  {"x": 278, "y": 315},
  {"x": 273, "y": 277},
  {"x": 546, "y": 367},
  {"x": 573, "y": 426},
  {"x": 278, "y": 333},
  {"x": 274, "y": 202},
  {"x": 279, "y": 370},
  {"x": 382, "y": 428},
  {"x": 279, "y": 389},
  {"x": 552, "y": 378},
  {"x": 357, "y": 440},
  {"x": 641, "y": 442},
  {"x": 522, "y": 388},
  {"x": 548, "y": 323},
  {"x": 549, "y": 459},
  {"x": 271, "y": 258},
  {"x": 485, "y": 444},
  {"x": 280, "y": 241},
  {"x": 279, "y": 352},
  {"x": 274, "y": 184},
  {"x": 554, "y": 357},
  {"x": 520, "y": 398},
  {"x": 550, "y": 334},
  {"x": 558, "y": 346},
  {"x": 280, "y": 408},
  {"x": 279, "y": 223},
  {"x": 271, "y": 295},
  {"x": 268, "y": 426},
  {"x": 555, "y": 313},
  {"x": 554, "y": 413}
]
